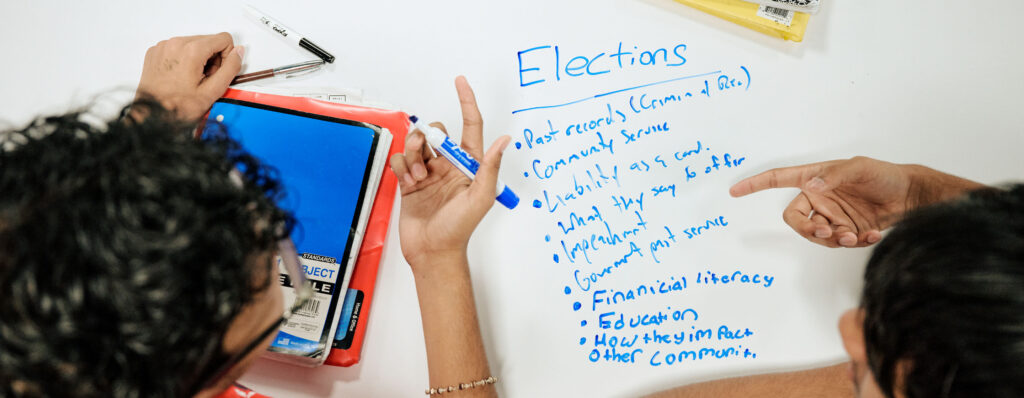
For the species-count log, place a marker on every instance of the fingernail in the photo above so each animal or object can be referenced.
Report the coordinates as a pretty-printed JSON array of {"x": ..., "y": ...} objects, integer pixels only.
[
  {"x": 419, "y": 171},
  {"x": 848, "y": 240},
  {"x": 504, "y": 144},
  {"x": 241, "y": 51},
  {"x": 873, "y": 237},
  {"x": 815, "y": 184},
  {"x": 408, "y": 180},
  {"x": 821, "y": 233}
]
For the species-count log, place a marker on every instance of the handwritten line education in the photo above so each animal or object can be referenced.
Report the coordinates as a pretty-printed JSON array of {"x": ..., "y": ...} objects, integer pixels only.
[{"x": 615, "y": 92}]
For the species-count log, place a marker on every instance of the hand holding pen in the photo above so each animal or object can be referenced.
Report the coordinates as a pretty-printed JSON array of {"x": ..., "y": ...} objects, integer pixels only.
[
  {"x": 441, "y": 206},
  {"x": 187, "y": 74}
]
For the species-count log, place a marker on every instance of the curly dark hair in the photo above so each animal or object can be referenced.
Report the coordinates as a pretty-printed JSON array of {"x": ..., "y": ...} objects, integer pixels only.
[
  {"x": 126, "y": 250},
  {"x": 944, "y": 300}
]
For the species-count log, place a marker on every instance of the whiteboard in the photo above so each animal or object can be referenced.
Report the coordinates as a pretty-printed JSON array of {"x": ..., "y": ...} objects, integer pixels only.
[{"x": 936, "y": 85}]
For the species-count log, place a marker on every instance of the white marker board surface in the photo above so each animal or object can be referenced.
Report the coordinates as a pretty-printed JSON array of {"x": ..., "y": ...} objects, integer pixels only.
[{"x": 908, "y": 83}]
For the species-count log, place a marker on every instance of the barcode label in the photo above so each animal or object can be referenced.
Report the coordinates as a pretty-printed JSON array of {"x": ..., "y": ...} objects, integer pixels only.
[
  {"x": 780, "y": 15},
  {"x": 310, "y": 308}
]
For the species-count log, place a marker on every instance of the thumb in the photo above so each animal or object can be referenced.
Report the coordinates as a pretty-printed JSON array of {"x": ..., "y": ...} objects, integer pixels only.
[
  {"x": 216, "y": 84},
  {"x": 482, "y": 190}
]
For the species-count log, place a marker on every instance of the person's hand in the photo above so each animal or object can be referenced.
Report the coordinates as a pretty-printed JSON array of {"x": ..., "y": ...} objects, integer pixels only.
[
  {"x": 441, "y": 206},
  {"x": 842, "y": 202},
  {"x": 187, "y": 74}
]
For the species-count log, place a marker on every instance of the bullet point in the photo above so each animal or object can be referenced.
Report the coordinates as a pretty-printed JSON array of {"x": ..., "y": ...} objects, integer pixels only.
[
  {"x": 583, "y": 323},
  {"x": 555, "y": 257},
  {"x": 576, "y": 306},
  {"x": 536, "y": 203},
  {"x": 583, "y": 340},
  {"x": 518, "y": 145},
  {"x": 547, "y": 238},
  {"x": 525, "y": 174},
  {"x": 568, "y": 290}
]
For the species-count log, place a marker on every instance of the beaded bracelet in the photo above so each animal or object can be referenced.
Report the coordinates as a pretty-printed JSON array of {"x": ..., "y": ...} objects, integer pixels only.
[{"x": 462, "y": 386}]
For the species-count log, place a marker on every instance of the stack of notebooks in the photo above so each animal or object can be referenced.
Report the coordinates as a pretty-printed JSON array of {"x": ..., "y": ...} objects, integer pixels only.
[
  {"x": 331, "y": 159},
  {"x": 786, "y": 19}
]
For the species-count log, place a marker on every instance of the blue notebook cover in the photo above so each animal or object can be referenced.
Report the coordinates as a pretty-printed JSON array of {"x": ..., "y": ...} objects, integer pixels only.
[{"x": 325, "y": 165}]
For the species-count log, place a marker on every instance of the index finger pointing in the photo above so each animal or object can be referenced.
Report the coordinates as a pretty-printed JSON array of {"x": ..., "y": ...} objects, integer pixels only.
[
  {"x": 784, "y": 177},
  {"x": 472, "y": 121}
]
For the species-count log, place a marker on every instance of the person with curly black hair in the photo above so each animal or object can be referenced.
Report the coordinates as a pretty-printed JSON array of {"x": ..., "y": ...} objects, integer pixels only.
[
  {"x": 138, "y": 261},
  {"x": 123, "y": 249},
  {"x": 942, "y": 308}
]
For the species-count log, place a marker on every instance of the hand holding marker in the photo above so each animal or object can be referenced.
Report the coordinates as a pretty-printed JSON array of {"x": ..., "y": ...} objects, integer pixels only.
[{"x": 461, "y": 160}]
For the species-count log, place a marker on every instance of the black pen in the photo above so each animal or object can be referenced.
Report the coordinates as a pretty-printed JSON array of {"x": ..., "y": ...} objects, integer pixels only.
[{"x": 289, "y": 34}]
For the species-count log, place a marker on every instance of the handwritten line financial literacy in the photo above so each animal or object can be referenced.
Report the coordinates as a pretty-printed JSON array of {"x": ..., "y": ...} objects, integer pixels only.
[{"x": 608, "y": 174}]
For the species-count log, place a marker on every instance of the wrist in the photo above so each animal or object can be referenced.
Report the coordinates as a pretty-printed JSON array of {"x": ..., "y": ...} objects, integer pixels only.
[
  {"x": 928, "y": 186},
  {"x": 440, "y": 277},
  {"x": 438, "y": 262},
  {"x": 918, "y": 185}
]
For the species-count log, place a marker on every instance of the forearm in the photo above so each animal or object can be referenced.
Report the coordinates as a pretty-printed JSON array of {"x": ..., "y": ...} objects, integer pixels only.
[
  {"x": 830, "y": 381},
  {"x": 455, "y": 349},
  {"x": 929, "y": 186}
]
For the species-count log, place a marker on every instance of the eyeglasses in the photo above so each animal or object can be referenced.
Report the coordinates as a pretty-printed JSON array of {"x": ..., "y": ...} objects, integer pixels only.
[
  {"x": 288, "y": 261},
  {"x": 288, "y": 265}
]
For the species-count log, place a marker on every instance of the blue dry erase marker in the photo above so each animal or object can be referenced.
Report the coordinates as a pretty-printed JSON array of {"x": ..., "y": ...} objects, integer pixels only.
[{"x": 462, "y": 160}]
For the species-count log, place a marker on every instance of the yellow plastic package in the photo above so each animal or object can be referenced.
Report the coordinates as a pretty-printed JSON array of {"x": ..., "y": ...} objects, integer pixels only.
[{"x": 768, "y": 20}]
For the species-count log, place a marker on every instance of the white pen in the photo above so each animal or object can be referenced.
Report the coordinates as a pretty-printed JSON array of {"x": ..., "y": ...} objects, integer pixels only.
[
  {"x": 462, "y": 160},
  {"x": 288, "y": 33}
]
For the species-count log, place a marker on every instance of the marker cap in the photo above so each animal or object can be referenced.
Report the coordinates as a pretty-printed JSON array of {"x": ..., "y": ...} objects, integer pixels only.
[{"x": 508, "y": 198}]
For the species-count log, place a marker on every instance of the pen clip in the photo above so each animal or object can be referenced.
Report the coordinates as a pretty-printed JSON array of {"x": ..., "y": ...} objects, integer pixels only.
[
  {"x": 303, "y": 72},
  {"x": 299, "y": 69}
]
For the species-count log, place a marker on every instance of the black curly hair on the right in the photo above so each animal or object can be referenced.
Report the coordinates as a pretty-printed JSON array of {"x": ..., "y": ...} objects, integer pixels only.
[
  {"x": 944, "y": 300},
  {"x": 126, "y": 250}
]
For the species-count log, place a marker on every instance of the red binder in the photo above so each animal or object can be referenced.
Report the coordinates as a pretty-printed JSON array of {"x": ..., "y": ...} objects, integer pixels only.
[{"x": 239, "y": 391}]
